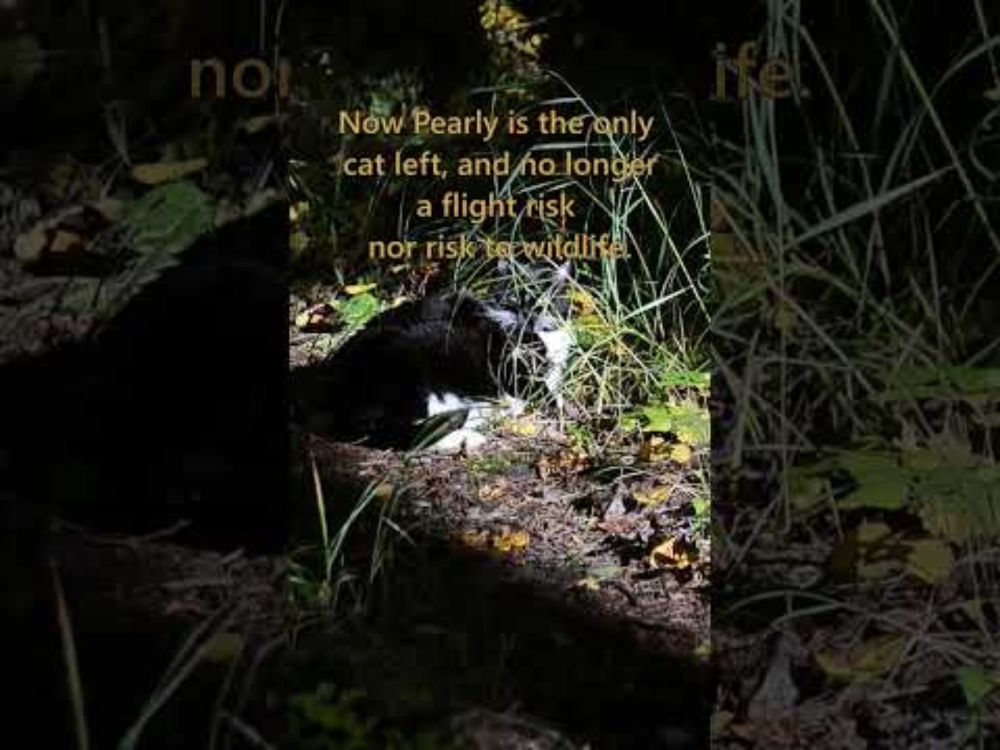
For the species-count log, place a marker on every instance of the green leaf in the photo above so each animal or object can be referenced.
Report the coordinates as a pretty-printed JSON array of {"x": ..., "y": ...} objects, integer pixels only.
[
  {"x": 887, "y": 493},
  {"x": 21, "y": 59},
  {"x": 169, "y": 218},
  {"x": 359, "y": 309},
  {"x": 958, "y": 383},
  {"x": 688, "y": 421},
  {"x": 976, "y": 684},
  {"x": 805, "y": 491}
]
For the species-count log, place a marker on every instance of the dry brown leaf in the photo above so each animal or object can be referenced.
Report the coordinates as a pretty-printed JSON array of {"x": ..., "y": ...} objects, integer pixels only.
[
  {"x": 567, "y": 461},
  {"x": 474, "y": 539},
  {"x": 654, "y": 449},
  {"x": 64, "y": 242},
  {"x": 156, "y": 173},
  {"x": 494, "y": 490}
]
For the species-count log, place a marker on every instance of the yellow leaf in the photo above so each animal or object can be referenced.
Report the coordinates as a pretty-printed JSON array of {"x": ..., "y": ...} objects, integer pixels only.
[
  {"x": 166, "y": 171},
  {"x": 682, "y": 453},
  {"x": 582, "y": 302},
  {"x": 872, "y": 532},
  {"x": 672, "y": 554},
  {"x": 297, "y": 210},
  {"x": 30, "y": 246},
  {"x": 511, "y": 540},
  {"x": 522, "y": 426},
  {"x": 353, "y": 290},
  {"x": 654, "y": 449},
  {"x": 931, "y": 560},
  {"x": 653, "y": 496},
  {"x": 864, "y": 662},
  {"x": 383, "y": 492}
]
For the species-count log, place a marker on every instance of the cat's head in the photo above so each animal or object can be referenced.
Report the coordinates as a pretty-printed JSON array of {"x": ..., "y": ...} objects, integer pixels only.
[
  {"x": 537, "y": 292},
  {"x": 531, "y": 305}
]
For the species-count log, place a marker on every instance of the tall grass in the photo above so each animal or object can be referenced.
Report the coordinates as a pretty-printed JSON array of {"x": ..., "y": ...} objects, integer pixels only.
[
  {"x": 856, "y": 246},
  {"x": 638, "y": 320}
]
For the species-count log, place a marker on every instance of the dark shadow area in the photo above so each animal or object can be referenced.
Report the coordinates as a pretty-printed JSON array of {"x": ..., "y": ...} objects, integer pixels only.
[
  {"x": 176, "y": 408},
  {"x": 175, "y": 411}
]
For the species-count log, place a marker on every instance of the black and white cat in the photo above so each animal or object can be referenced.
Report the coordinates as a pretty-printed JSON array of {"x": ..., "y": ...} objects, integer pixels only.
[{"x": 435, "y": 371}]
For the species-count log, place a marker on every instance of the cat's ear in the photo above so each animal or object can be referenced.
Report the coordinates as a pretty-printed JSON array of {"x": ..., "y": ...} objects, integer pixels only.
[
  {"x": 562, "y": 275},
  {"x": 507, "y": 320}
]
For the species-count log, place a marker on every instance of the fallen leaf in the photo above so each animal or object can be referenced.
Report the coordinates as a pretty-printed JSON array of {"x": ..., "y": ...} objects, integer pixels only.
[
  {"x": 652, "y": 496},
  {"x": 353, "y": 290},
  {"x": 864, "y": 662},
  {"x": 317, "y": 317},
  {"x": 654, "y": 449},
  {"x": 64, "y": 242},
  {"x": 509, "y": 541},
  {"x": 807, "y": 492},
  {"x": 223, "y": 647},
  {"x": 494, "y": 490},
  {"x": 884, "y": 493},
  {"x": 29, "y": 247},
  {"x": 383, "y": 492},
  {"x": 976, "y": 683},
  {"x": 156, "y": 173},
  {"x": 474, "y": 540},
  {"x": 931, "y": 560},
  {"x": 111, "y": 209},
  {"x": 523, "y": 426},
  {"x": 297, "y": 210},
  {"x": 568, "y": 461},
  {"x": 673, "y": 553},
  {"x": 870, "y": 533},
  {"x": 582, "y": 302},
  {"x": 682, "y": 453}
]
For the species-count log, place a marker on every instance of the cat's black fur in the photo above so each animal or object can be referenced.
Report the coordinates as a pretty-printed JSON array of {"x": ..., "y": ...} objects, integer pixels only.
[{"x": 375, "y": 389}]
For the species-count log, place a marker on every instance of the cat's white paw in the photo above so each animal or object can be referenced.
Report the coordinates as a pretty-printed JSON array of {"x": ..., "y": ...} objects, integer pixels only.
[{"x": 459, "y": 439}]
